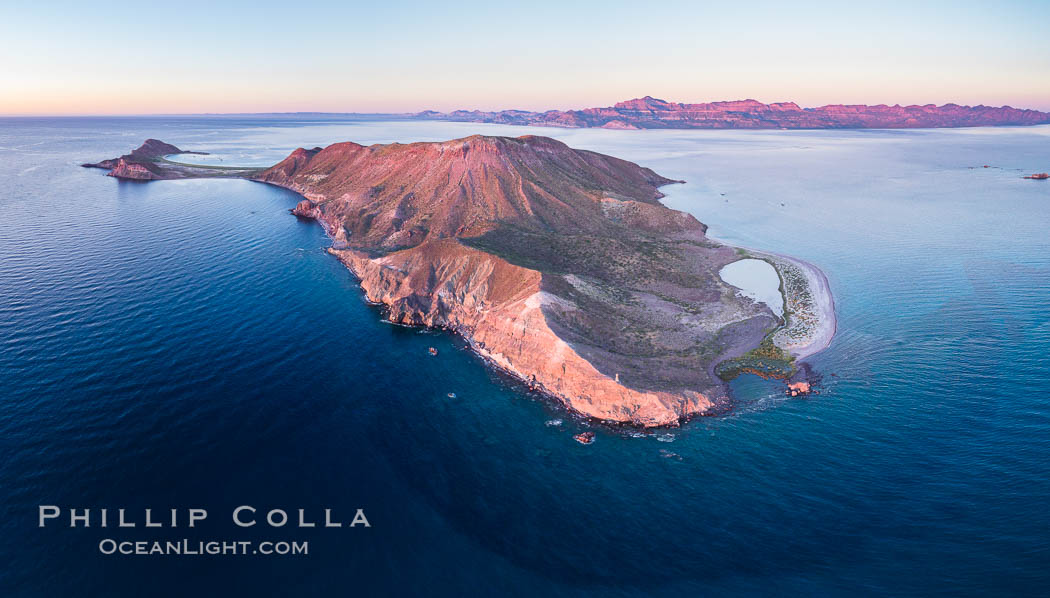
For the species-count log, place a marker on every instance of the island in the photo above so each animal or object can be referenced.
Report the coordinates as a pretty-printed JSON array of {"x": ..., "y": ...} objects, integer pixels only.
[
  {"x": 150, "y": 161},
  {"x": 559, "y": 266},
  {"x": 653, "y": 113}
]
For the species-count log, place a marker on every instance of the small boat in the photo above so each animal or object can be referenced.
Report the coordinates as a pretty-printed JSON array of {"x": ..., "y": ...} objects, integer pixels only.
[
  {"x": 584, "y": 437},
  {"x": 451, "y": 395},
  {"x": 433, "y": 351}
]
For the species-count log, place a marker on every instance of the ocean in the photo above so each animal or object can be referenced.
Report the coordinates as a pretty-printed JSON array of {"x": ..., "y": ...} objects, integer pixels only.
[{"x": 189, "y": 344}]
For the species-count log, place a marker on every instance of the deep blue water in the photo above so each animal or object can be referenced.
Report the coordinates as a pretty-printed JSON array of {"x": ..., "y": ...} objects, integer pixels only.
[{"x": 189, "y": 344}]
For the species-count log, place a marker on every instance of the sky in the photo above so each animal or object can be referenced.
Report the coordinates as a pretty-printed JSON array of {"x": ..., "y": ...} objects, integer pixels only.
[{"x": 196, "y": 56}]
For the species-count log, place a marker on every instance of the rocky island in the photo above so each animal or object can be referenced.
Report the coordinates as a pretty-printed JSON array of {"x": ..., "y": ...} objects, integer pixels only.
[{"x": 559, "y": 266}]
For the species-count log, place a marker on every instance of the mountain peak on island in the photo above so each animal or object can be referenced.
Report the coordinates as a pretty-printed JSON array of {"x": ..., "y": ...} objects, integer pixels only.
[
  {"x": 653, "y": 113},
  {"x": 404, "y": 194},
  {"x": 155, "y": 148}
]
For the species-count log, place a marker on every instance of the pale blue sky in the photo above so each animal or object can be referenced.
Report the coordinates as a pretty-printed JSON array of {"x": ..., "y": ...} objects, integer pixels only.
[{"x": 197, "y": 56}]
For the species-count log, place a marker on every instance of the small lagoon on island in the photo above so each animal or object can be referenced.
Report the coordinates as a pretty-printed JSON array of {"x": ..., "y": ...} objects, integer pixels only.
[
  {"x": 181, "y": 344},
  {"x": 756, "y": 279}
]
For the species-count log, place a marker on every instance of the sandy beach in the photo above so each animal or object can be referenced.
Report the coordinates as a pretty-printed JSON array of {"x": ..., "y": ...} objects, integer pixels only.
[{"x": 811, "y": 322}]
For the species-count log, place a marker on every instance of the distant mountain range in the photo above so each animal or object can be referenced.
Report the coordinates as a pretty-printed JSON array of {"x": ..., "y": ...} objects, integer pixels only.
[{"x": 653, "y": 113}]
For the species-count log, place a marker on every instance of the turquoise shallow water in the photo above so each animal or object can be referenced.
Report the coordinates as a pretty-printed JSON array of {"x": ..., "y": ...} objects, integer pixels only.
[{"x": 189, "y": 344}]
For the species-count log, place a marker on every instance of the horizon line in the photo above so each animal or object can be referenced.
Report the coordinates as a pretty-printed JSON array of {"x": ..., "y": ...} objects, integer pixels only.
[{"x": 425, "y": 110}]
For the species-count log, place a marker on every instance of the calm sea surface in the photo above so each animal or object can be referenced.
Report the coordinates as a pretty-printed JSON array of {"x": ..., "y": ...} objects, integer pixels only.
[{"x": 189, "y": 344}]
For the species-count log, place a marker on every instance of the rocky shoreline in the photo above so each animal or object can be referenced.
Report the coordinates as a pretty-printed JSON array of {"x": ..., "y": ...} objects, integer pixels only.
[{"x": 498, "y": 361}]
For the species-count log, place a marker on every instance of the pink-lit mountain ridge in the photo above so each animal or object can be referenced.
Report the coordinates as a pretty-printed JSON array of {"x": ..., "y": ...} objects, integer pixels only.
[{"x": 653, "y": 113}]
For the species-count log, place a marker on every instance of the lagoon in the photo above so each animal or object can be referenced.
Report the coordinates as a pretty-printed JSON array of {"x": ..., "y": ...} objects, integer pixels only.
[{"x": 756, "y": 279}]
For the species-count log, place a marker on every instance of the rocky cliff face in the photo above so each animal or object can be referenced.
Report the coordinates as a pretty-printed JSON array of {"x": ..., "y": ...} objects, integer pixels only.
[
  {"x": 652, "y": 113},
  {"x": 125, "y": 168},
  {"x": 559, "y": 266},
  {"x": 502, "y": 310}
]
